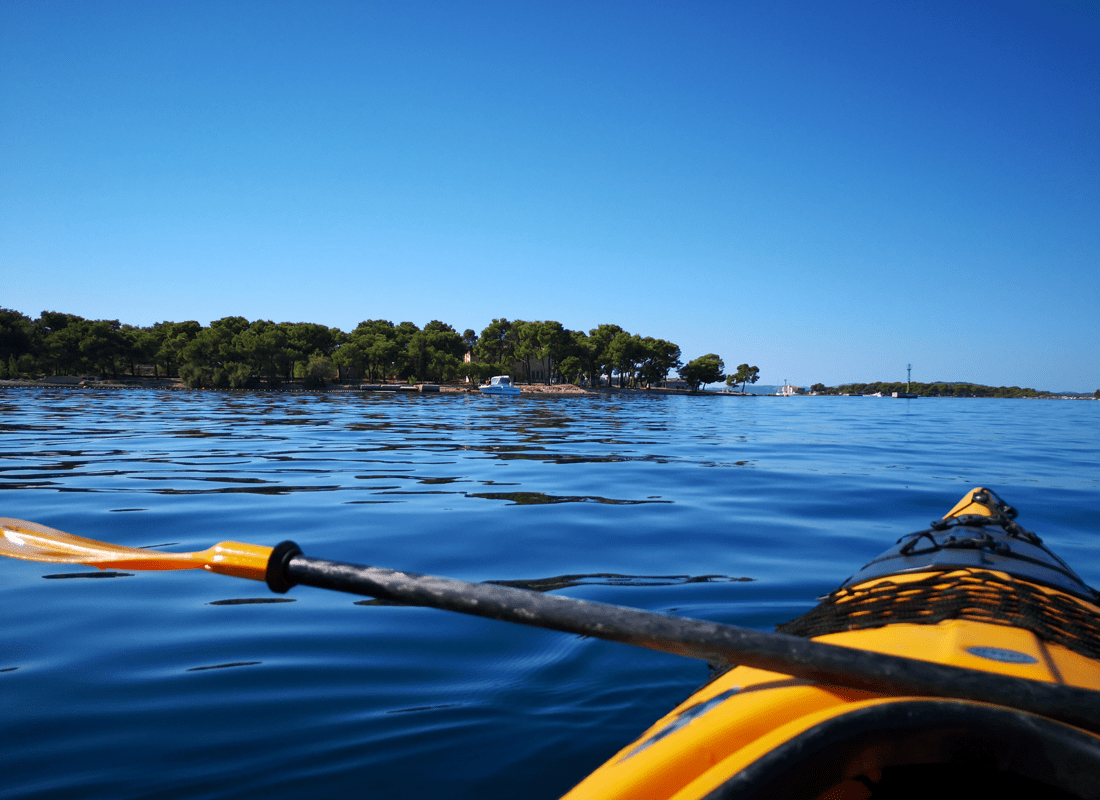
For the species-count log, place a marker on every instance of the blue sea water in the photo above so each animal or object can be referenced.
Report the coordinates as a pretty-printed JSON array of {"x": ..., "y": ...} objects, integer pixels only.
[{"x": 192, "y": 685}]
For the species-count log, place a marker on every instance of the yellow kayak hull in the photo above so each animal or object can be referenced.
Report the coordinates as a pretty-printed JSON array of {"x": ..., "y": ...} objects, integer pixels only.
[
  {"x": 747, "y": 714},
  {"x": 755, "y": 733}
]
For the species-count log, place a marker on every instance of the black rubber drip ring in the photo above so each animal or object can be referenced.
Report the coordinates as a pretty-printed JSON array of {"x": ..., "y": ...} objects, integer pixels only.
[{"x": 275, "y": 574}]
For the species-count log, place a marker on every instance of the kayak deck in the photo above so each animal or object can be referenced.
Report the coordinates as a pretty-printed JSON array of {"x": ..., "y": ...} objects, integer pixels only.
[
  {"x": 964, "y": 594},
  {"x": 757, "y": 733},
  {"x": 746, "y": 714}
]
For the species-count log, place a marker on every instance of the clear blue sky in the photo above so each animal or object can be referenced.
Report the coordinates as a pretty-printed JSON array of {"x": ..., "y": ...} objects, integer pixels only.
[{"x": 827, "y": 190}]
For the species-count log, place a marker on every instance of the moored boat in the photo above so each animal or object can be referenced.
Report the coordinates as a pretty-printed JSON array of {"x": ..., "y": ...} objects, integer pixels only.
[
  {"x": 975, "y": 590},
  {"x": 500, "y": 384}
]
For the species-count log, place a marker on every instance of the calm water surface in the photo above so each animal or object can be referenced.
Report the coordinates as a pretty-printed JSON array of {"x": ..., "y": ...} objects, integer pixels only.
[{"x": 194, "y": 685}]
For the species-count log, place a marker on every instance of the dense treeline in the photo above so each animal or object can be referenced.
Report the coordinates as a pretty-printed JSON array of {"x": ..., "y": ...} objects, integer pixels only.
[
  {"x": 930, "y": 389},
  {"x": 233, "y": 352}
]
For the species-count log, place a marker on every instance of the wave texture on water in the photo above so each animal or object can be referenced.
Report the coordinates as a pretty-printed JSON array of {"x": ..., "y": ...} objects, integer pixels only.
[{"x": 185, "y": 684}]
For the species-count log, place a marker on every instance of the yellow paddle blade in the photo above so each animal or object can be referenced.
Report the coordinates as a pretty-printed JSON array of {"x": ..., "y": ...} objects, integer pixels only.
[{"x": 33, "y": 542}]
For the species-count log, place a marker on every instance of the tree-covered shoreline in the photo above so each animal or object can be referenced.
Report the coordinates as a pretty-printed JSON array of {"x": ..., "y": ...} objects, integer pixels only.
[
  {"x": 234, "y": 352},
  {"x": 930, "y": 389}
]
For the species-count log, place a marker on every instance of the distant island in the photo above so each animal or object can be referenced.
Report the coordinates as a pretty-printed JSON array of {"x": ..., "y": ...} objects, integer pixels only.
[{"x": 933, "y": 390}]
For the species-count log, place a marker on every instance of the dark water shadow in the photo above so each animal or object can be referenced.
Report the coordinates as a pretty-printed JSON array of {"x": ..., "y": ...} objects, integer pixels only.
[
  {"x": 63, "y": 575},
  {"x": 272, "y": 490},
  {"x": 540, "y": 499},
  {"x": 559, "y": 458},
  {"x": 613, "y": 579},
  {"x": 225, "y": 666},
  {"x": 416, "y": 709},
  {"x": 248, "y": 601},
  {"x": 590, "y": 579},
  {"x": 414, "y": 491}
]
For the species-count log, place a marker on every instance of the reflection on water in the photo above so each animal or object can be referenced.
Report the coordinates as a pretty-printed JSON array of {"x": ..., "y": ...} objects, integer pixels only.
[
  {"x": 250, "y": 601},
  {"x": 272, "y": 490},
  {"x": 97, "y": 574},
  {"x": 225, "y": 666},
  {"x": 538, "y": 498},
  {"x": 423, "y": 708},
  {"x": 612, "y": 579},
  {"x": 592, "y": 579},
  {"x": 355, "y": 429}
]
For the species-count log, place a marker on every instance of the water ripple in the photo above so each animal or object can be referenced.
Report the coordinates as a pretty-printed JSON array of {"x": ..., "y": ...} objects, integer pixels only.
[{"x": 730, "y": 509}]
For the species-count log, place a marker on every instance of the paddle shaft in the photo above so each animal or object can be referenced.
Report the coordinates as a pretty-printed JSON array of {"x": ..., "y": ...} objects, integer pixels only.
[{"x": 707, "y": 641}]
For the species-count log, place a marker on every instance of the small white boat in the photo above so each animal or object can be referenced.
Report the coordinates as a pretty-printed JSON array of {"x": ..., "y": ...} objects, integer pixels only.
[{"x": 500, "y": 384}]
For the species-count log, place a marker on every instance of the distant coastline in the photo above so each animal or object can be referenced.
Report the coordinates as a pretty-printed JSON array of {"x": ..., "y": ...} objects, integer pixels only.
[
  {"x": 77, "y": 382},
  {"x": 965, "y": 390},
  {"x": 236, "y": 353},
  {"x": 943, "y": 389},
  {"x": 543, "y": 357}
]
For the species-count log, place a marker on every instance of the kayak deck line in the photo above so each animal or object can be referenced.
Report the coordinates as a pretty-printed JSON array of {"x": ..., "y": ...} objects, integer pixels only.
[
  {"x": 982, "y": 595},
  {"x": 990, "y": 540}
]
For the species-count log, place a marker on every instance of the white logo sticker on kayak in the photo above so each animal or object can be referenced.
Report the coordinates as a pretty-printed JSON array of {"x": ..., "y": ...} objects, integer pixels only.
[{"x": 1002, "y": 655}]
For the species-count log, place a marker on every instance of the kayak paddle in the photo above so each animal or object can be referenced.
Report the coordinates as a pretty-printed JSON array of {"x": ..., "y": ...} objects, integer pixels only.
[
  {"x": 284, "y": 566},
  {"x": 30, "y": 541}
]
